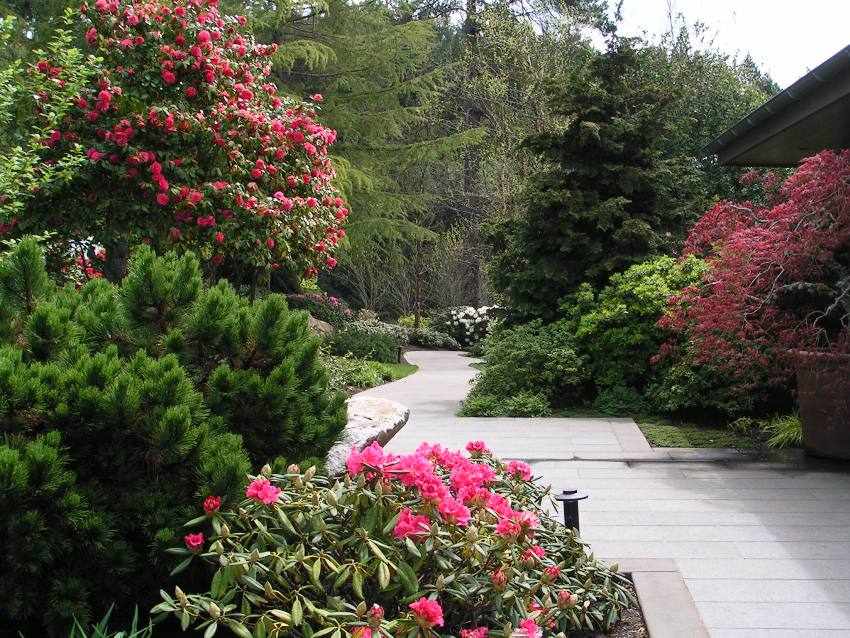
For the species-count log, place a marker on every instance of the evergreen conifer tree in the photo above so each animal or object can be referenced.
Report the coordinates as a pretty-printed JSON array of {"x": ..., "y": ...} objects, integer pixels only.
[
  {"x": 120, "y": 408},
  {"x": 607, "y": 197}
]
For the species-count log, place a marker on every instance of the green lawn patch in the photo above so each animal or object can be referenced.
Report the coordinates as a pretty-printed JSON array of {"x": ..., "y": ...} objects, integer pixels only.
[
  {"x": 401, "y": 370},
  {"x": 662, "y": 432},
  {"x": 478, "y": 365}
]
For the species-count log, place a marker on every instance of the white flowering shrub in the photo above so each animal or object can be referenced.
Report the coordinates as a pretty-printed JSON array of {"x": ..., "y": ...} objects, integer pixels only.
[{"x": 466, "y": 324}]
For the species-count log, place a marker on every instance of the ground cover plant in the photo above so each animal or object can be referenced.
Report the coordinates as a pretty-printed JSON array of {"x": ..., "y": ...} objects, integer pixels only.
[
  {"x": 119, "y": 406},
  {"x": 348, "y": 374},
  {"x": 323, "y": 307},
  {"x": 369, "y": 339},
  {"x": 432, "y": 542}
]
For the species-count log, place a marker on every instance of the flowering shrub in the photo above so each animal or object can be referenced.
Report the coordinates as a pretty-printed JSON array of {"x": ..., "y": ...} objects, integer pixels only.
[
  {"x": 327, "y": 308},
  {"x": 188, "y": 143},
  {"x": 467, "y": 325},
  {"x": 425, "y": 338},
  {"x": 431, "y": 543},
  {"x": 779, "y": 278},
  {"x": 370, "y": 339}
]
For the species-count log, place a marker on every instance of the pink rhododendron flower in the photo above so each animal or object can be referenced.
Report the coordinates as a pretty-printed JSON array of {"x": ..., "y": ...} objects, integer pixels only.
[
  {"x": 506, "y": 528},
  {"x": 261, "y": 490},
  {"x": 453, "y": 511},
  {"x": 531, "y": 628},
  {"x": 500, "y": 580},
  {"x": 519, "y": 470},
  {"x": 361, "y": 632},
  {"x": 534, "y": 550},
  {"x": 411, "y": 525},
  {"x": 194, "y": 542},
  {"x": 372, "y": 456},
  {"x": 427, "y": 613},
  {"x": 478, "y": 632}
]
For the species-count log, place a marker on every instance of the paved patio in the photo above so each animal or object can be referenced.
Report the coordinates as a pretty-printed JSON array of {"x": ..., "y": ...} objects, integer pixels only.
[{"x": 763, "y": 548}]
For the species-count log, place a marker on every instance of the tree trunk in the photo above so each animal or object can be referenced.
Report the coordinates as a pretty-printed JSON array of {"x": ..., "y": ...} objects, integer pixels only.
[
  {"x": 472, "y": 160},
  {"x": 117, "y": 262},
  {"x": 417, "y": 290}
]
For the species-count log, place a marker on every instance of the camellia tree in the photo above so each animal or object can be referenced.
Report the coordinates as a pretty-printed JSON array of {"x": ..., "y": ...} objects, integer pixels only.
[{"x": 189, "y": 146}]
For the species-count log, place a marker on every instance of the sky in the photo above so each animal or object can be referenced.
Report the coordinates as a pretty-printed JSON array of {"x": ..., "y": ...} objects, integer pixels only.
[{"x": 787, "y": 38}]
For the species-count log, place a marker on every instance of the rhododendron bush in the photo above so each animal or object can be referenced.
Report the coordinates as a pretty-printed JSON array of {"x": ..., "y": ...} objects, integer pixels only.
[
  {"x": 430, "y": 543},
  {"x": 189, "y": 145},
  {"x": 778, "y": 278}
]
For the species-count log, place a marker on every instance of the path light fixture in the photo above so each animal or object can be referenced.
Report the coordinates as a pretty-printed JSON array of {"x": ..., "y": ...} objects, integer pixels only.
[{"x": 570, "y": 499}]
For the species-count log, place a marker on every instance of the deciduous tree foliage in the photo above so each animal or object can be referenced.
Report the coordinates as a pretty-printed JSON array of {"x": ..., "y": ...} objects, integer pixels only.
[{"x": 779, "y": 276}]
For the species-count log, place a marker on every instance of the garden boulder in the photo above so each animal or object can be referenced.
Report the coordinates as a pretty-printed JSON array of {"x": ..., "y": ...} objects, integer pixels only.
[{"x": 369, "y": 419}]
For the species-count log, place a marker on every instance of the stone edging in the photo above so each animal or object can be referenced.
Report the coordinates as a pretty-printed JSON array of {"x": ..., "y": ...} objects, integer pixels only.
[
  {"x": 369, "y": 419},
  {"x": 668, "y": 609}
]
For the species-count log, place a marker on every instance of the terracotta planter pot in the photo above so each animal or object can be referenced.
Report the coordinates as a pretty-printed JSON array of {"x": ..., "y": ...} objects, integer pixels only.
[{"x": 823, "y": 387}]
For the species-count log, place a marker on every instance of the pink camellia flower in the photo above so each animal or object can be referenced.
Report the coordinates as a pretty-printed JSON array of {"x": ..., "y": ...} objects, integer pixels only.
[
  {"x": 211, "y": 504},
  {"x": 219, "y": 238},
  {"x": 375, "y": 615},
  {"x": 175, "y": 233},
  {"x": 478, "y": 632},
  {"x": 270, "y": 243},
  {"x": 194, "y": 542},
  {"x": 411, "y": 525},
  {"x": 500, "y": 580},
  {"x": 519, "y": 470},
  {"x": 530, "y": 627},
  {"x": 427, "y": 613},
  {"x": 317, "y": 97},
  {"x": 162, "y": 199},
  {"x": 168, "y": 77},
  {"x": 507, "y": 529},
  {"x": 476, "y": 448},
  {"x": 262, "y": 491},
  {"x": 191, "y": 92},
  {"x": 331, "y": 262}
]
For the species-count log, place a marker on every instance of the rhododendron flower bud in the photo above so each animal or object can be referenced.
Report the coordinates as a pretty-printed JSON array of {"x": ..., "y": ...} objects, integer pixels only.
[
  {"x": 566, "y": 600},
  {"x": 500, "y": 580},
  {"x": 211, "y": 504},
  {"x": 551, "y": 574},
  {"x": 375, "y": 615},
  {"x": 219, "y": 238},
  {"x": 194, "y": 542},
  {"x": 427, "y": 613},
  {"x": 270, "y": 243}
]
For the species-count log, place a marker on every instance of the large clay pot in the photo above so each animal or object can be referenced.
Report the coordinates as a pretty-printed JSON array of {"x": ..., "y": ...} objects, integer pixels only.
[{"x": 823, "y": 387}]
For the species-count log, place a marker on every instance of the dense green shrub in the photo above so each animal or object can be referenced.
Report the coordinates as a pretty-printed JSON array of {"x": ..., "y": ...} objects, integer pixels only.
[
  {"x": 532, "y": 358},
  {"x": 369, "y": 339},
  {"x": 425, "y": 338},
  {"x": 408, "y": 321},
  {"x": 120, "y": 407},
  {"x": 616, "y": 330},
  {"x": 482, "y": 406},
  {"x": 619, "y": 401},
  {"x": 347, "y": 373},
  {"x": 325, "y": 308},
  {"x": 526, "y": 404},
  {"x": 433, "y": 538}
]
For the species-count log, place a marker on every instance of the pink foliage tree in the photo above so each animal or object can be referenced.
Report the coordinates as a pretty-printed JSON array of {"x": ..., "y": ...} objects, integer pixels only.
[{"x": 779, "y": 276}]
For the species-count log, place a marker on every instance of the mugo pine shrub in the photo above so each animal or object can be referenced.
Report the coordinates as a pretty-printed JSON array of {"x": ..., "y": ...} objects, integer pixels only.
[
  {"x": 120, "y": 407},
  {"x": 428, "y": 544}
]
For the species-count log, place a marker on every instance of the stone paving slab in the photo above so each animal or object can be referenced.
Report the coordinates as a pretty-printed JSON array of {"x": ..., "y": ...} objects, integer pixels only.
[{"x": 720, "y": 542}]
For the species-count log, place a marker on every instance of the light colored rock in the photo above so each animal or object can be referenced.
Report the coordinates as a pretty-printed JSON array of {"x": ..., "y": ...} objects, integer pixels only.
[
  {"x": 318, "y": 326},
  {"x": 369, "y": 419}
]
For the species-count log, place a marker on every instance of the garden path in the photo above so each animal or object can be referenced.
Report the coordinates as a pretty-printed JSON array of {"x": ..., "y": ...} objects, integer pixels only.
[{"x": 719, "y": 543}]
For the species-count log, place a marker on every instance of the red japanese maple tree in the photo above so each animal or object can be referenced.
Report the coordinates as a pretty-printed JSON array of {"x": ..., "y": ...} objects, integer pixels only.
[{"x": 779, "y": 276}]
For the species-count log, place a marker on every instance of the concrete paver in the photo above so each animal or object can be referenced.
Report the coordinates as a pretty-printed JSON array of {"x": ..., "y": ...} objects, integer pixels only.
[{"x": 760, "y": 549}]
